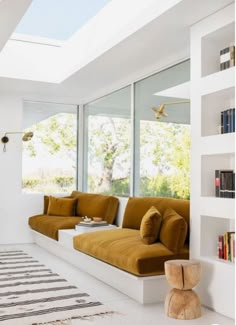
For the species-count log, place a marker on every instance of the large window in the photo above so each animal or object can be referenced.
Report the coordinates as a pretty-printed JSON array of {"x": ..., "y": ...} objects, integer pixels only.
[
  {"x": 120, "y": 155},
  {"x": 107, "y": 144},
  {"x": 162, "y": 146},
  {"x": 49, "y": 159}
]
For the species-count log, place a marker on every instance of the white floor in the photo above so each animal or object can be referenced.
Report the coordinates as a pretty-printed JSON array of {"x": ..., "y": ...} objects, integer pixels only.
[{"x": 127, "y": 311}]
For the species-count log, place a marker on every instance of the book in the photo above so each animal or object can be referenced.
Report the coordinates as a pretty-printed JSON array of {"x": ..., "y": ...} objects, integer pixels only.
[
  {"x": 227, "y": 57},
  {"x": 225, "y": 183},
  {"x": 92, "y": 224},
  {"x": 232, "y": 247},
  {"x": 220, "y": 246},
  {"x": 227, "y": 121}
]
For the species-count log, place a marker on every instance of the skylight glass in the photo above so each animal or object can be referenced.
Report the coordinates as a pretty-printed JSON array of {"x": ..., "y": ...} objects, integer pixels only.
[{"x": 58, "y": 19}]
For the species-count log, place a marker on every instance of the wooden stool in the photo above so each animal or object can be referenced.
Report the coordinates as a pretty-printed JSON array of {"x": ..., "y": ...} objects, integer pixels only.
[{"x": 182, "y": 302}]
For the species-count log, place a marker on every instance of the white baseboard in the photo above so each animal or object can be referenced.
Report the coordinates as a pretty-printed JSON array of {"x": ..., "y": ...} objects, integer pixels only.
[{"x": 145, "y": 290}]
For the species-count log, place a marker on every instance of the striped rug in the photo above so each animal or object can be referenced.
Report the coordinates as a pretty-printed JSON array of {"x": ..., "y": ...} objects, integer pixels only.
[{"x": 32, "y": 294}]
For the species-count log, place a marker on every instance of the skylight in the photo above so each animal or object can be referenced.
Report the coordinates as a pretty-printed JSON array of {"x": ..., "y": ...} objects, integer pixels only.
[{"x": 58, "y": 19}]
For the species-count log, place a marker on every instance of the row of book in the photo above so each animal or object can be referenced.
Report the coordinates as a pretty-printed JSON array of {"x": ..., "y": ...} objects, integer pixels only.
[
  {"x": 228, "y": 121},
  {"x": 226, "y": 246},
  {"x": 227, "y": 57},
  {"x": 225, "y": 183}
]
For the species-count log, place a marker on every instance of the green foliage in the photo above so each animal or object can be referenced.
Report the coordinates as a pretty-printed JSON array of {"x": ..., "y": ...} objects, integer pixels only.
[
  {"x": 63, "y": 181},
  {"x": 49, "y": 185},
  {"x": 120, "y": 187},
  {"x": 30, "y": 182}
]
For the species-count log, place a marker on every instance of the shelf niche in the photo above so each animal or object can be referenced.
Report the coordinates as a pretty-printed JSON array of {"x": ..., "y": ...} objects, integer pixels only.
[
  {"x": 212, "y": 44},
  {"x": 209, "y": 164},
  {"x": 218, "y": 226},
  {"x": 212, "y": 106}
]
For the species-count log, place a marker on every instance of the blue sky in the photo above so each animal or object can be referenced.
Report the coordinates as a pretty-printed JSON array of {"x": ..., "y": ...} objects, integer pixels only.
[{"x": 58, "y": 19}]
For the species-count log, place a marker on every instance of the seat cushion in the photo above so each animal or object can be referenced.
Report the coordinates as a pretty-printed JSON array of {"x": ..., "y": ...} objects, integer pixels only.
[
  {"x": 150, "y": 226},
  {"x": 96, "y": 205},
  {"x": 49, "y": 225},
  {"x": 124, "y": 249}
]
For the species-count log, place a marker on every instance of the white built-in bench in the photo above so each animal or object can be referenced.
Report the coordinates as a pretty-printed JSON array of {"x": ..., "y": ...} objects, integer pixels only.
[{"x": 150, "y": 289}]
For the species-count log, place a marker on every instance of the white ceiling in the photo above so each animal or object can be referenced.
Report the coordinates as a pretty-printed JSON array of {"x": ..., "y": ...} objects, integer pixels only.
[{"x": 161, "y": 42}]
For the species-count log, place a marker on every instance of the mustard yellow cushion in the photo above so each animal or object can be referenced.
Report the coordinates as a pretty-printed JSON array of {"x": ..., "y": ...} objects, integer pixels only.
[
  {"x": 137, "y": 206},
  {"x": 49, "y": 225},
  {"x": 96, "y": 205},
  {"x": 46, "y": 202},
  {"x": 124, "y": 249},
  {"x": 173, "y": 230},
  {"x": 58, "y": 206},
  {"x": 150, "y": 226}
]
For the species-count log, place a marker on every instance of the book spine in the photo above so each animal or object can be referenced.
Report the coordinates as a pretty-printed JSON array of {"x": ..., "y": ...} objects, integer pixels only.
[
  {"x": 226, "y": 247},
  {"x": 220, "y": 245},
  {"x": 221, "y": 122},
  {"x": 233, "y": 243},
  {"x": 228, "y": 120},
  {"x": 233, "y": 119},
  {"x": 225, "y": 130},
  {"x": 232, "y": 56},
  {"x": 217, "y": 182}
]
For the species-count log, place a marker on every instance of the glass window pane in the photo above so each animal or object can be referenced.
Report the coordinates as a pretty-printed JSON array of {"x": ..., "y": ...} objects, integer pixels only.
[
  {"x": 107, "y": 144},
  {"x": 162, "y": 146},
  {"x": 49, "y": 159}
]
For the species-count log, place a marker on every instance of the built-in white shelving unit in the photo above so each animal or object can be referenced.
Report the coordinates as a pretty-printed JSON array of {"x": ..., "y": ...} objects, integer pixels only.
[{"x": 212, "y": 91}]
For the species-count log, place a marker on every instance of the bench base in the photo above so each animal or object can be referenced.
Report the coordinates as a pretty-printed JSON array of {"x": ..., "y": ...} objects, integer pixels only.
[{"x": 145, "y": 290}]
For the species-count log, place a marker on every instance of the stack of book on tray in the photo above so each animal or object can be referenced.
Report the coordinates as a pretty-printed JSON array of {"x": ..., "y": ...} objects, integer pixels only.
[
  {"x": 226, "y": 246},
  {"x": 85, "y": 226},
  {"x": 92, "y": 224}
]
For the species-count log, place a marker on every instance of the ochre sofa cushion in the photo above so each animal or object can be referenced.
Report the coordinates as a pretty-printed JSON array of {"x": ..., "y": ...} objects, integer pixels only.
[
  {"x": 173, "y": 230},
  {"x": 124, "y": 249},
  {"x": 96, "y": 205},
  {"x": 58, "y": 206},
  {"x": 150, "y": 226},
  {"x": 137, "y": 206},
  {"x": 49, "y": 225},
  {"x": 45, "y": 204}
]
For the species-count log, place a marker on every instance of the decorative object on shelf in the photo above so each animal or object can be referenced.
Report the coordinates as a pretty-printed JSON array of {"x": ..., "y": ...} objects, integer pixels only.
[
  {"x": 27, "y": 136},
  {"x": 159, "y": 111},
  {"x": 227, "y": 57},
  {"x": 225, "y": 183},
  {"x": 226, "y": 246},
  {"x": 228, "y": 121},
  {"x": 182, "y": 302}
]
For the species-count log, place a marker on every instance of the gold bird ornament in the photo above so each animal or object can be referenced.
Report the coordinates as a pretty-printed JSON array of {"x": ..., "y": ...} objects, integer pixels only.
[{"x": 159, "y": 111}]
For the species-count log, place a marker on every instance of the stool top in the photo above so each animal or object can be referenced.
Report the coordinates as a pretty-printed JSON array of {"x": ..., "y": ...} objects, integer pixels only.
[{"x": 182, "y": 262}]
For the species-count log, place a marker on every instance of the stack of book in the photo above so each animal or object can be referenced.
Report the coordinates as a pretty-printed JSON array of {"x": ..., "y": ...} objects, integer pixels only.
[
  {"x": 226, "y": 246},
  {"x": 92, "y": 224},
  {"x": 228, "y": 121},
  {"x": 225, "y": 183},
  {"x": 227, "y": 57}
]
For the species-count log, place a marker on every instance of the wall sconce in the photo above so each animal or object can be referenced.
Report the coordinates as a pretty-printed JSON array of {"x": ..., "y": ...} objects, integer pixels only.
[
  {"x": 159, "y": 111},
  {"x": 26, "y": 137}
]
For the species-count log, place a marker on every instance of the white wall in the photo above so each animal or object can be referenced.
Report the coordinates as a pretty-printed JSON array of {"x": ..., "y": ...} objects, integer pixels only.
[{"x": 15, "y": 207}]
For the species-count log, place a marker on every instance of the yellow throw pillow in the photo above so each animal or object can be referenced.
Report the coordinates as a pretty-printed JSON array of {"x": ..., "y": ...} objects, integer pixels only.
[
  {"x": 173, "y": 230},
  {"x": 58, "y": 206},
  {"x": 150, "y": 226}
]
